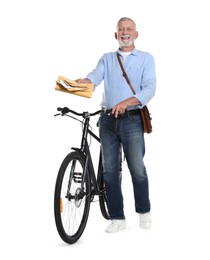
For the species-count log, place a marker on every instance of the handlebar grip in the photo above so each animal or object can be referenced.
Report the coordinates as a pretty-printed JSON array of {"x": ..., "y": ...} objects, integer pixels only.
[{"x": 63, "y": 110}]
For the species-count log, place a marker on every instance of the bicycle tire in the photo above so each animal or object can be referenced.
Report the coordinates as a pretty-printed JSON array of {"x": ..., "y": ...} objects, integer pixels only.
[{"x": 71, "y": 202}]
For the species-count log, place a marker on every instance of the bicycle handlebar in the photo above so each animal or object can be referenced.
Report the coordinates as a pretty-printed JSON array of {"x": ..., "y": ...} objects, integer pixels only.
[{"x": 66, "y": 110}]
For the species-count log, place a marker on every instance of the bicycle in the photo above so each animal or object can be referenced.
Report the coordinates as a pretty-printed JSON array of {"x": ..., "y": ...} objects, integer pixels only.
[{"x": 77, "y": 184}]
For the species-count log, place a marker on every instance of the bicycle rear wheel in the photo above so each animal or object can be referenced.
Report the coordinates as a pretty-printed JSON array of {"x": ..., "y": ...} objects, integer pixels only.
[
  {"x": 103, "y": 197},
  {"x": 72, "y": 198}
]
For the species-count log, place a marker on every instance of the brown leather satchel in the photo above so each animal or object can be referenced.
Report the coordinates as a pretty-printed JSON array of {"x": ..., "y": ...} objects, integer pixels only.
[{"x": 144, "y": 112}]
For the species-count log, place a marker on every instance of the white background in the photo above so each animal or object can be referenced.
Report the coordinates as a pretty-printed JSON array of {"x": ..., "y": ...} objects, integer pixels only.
[{"x": 43, "y": 39}]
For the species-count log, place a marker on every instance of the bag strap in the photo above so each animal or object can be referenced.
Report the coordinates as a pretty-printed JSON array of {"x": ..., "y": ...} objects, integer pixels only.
[{"x": 124, "y": 74}]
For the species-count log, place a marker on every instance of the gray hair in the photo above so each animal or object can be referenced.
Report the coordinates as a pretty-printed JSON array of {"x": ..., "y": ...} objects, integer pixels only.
[{"x": 126, "y": 19}]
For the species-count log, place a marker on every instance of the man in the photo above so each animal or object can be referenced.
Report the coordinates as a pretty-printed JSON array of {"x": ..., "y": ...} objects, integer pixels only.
[{"x": 123, "y": 126}]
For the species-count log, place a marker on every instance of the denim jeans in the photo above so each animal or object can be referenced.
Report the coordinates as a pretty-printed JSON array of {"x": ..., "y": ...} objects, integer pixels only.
[{"x": 124, "y": 132}]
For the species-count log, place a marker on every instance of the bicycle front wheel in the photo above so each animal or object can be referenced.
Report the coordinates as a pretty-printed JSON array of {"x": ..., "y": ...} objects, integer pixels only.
[{"x": 72, "y": 198}]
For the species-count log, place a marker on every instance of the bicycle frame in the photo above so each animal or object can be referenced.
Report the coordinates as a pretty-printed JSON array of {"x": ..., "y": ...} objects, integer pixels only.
[{"x": 84, "y": 149}]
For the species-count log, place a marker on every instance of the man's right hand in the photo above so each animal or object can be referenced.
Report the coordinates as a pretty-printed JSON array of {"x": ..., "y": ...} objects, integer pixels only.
[{"x": 83, "y": 81}]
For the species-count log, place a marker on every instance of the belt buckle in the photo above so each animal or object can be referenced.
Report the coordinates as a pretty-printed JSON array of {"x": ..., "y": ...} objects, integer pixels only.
[{"x": 108, "y": 112}]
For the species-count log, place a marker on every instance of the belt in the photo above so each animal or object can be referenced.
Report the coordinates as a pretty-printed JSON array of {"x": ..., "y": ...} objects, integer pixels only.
[{"x": 127, "y": 112}]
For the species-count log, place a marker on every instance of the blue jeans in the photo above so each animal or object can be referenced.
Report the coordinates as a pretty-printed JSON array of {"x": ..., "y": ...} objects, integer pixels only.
[{"x": 123, "y": 132}]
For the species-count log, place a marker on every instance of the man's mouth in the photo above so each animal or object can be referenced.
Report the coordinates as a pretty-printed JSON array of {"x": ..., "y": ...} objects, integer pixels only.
[{"x": 125, "y": 38}]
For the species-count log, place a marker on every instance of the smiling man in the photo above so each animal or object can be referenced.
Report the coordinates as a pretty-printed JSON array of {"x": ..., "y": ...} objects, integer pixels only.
[
  {"x": 126, "y": 34},
  {"x": 122, "y": 128}
]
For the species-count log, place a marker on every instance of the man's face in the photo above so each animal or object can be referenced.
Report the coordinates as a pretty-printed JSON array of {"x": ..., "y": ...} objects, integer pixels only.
[{"x": 126, "y": 33}]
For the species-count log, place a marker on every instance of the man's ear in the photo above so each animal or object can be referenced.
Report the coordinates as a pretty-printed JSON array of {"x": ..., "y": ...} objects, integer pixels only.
[
  {"x": 137, "y": 34},
  {"x": 115, "y": 35}
]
